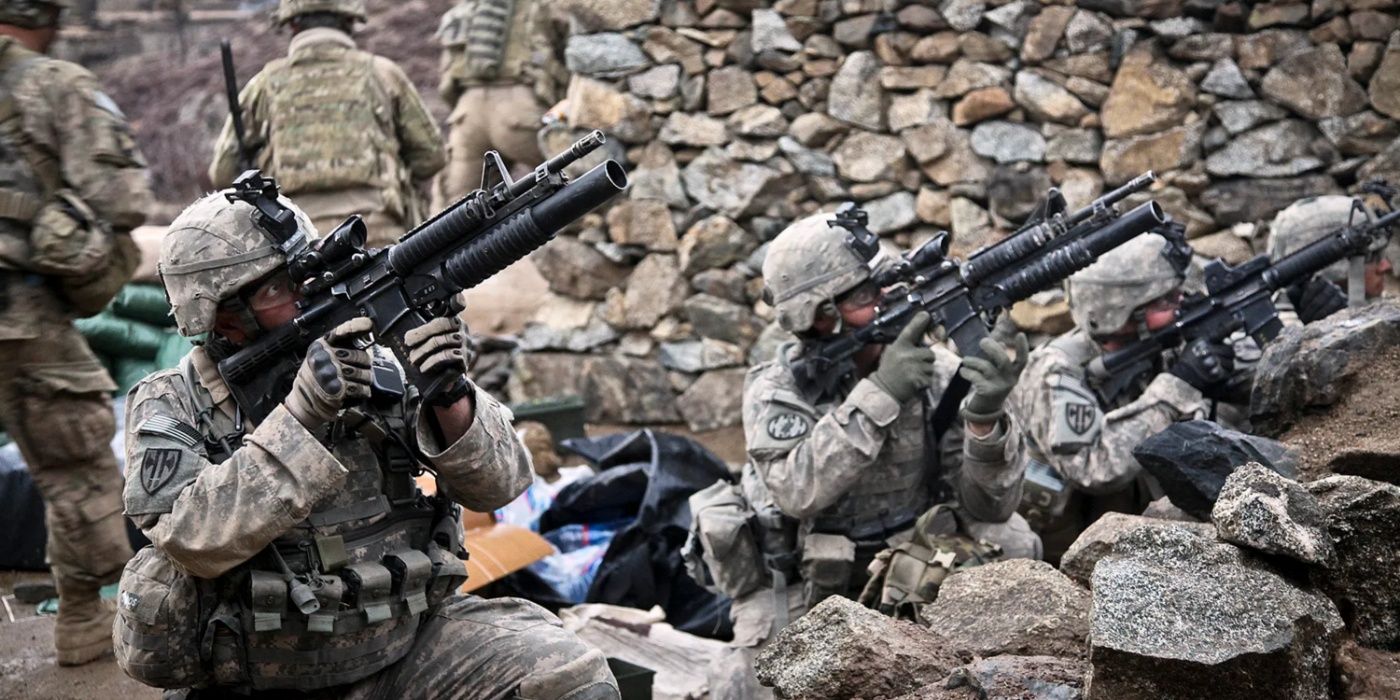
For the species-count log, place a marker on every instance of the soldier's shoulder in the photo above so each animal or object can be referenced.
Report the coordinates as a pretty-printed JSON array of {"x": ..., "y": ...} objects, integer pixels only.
[
  {"x": 166, "y": 383},
  {"x": 44, "y": 75},
  {"x": 1070, "y": 352},
  {"x": 389, "y": 70}
]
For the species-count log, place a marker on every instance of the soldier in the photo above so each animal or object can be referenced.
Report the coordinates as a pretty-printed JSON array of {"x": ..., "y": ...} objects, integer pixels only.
[
  {"x": 297, "y": 552},
  {"x": 1308, "y": 220},
  {"x": 342, "y": 130},
  {"x": 839, "y": 478},
  {"x": 500, "y": 70},
  {"x": 72, "y": 186}
]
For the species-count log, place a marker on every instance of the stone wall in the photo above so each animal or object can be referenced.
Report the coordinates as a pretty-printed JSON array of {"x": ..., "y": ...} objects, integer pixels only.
[{"x": 738, "y": 116}]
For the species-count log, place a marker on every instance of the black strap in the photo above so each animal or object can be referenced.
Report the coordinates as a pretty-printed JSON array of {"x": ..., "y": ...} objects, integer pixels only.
[{"x": 937, "y": 420}]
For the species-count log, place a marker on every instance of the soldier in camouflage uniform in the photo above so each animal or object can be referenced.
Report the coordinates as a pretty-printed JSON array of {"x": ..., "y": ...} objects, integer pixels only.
[
  {"x": 296, "y": 552},
  {"x": 836, "y": 479},
  {"x": 1308, "y": 220},
  {"x": 72, "y": 186},
  {"x": 342, "y": 130},
  {"x": 500, "y": 70}
]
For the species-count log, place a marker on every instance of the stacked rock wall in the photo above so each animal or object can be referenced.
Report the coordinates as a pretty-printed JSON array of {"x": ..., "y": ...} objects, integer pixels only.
[{"x": 737, "y": 116}]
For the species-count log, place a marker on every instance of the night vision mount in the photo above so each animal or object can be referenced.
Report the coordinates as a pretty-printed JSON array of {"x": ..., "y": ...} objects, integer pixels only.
[{"x": 275, "y": 219}]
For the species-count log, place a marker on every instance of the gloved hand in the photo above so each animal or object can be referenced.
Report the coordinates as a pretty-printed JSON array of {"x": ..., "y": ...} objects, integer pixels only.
[
  {"x": 440, "y": 345},
  {"x": 1205, "y": 364},
  {"x": 1316, "y": 299},
  {"x": 906, "y": 365},
  {"x": 333, "y": 372},
  {"x": 992, "y": 376}
]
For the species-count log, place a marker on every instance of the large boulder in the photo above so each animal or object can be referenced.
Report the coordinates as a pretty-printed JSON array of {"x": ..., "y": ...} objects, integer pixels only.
[
  {"x": 1262, "y": 510},
  {"x": 841, "y": 649},
  {"x": 1019, "y": 606},
  {"x": 1315, "y": 84},
  {"x": 627, "y": 390},
  {"x": 1363, "y": 520},
  {"x": 715, "y": 400},
  {"x": 1147, "y": 95},
  {"x": 1099, "y": 539},
  {"x": 1181, "y": 615},
  {"x": 1192, "y": 459}
]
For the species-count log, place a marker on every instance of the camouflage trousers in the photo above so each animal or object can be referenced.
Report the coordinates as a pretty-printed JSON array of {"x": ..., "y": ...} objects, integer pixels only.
[
  {"x": 54, "y": 404},
  {"x": 504, "y": 118}
]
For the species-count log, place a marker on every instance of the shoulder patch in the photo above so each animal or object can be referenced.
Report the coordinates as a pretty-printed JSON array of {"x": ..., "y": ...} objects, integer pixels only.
[
  {"x": 1079, "y": 416},
  {"x": 788, "y": 426},
  {"x": 171, "y": 429},
  {"x": 158, "y": 467}
]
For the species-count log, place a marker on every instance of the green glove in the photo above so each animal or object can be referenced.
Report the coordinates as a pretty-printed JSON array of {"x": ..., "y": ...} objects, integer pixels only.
[
  {"x": 992, "y": 378},
  {"x": 906, "y": 365}
]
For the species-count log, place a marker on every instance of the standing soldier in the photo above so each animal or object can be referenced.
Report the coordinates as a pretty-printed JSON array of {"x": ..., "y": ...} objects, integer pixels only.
[
  {"x": 72, "y": 186},
  {"x": 500, "y": 70},
  {"x": 343, "y": 131},
  {"x": 295, "y": 552}
]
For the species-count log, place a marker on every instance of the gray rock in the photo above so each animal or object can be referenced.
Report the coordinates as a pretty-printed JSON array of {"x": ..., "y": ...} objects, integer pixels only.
[
  {"x": 604, "y": 55},
  {"x": 1281, "y": 149},
  {"x": 1246, "y": 201},
  {"x": 815, "y": 129},
  {"x": 1239, "y": 117},
  {"x": 840, "y": 649},
  {"x": 965, "y": 76},
  {"x": 575, "y": 269},
  {"x": 687, "y": 129},
  {"x": 715, "y": 241},
  {"x": 1013, "y": 16},
  {"x": 807, "y": 161},
  {"x": 1163, "y": 508},
  {"x": 1363, "y": 133},
  {"x": 1087, "y": 31},
  {"x": 1262, "y": 510},
  {"x": 658, "y": 83},
  {"x": 1147, "y": 95},
  {"x": 891, "y": 213},
  {"x": 931, "y": 141},
  {"x": 627, "y": 390},
  {"x": 1315, "y": 84},
  {"x": 655, "y": 289},
  {"x": 1192, "y": 459},
  {"x": 1099, "y": 539},
  {"x": 1047, "y": 101},
  {"x": 1177, "y": 27},
  {"x": 1202, "y": 47},
  {"x": 971, "y": 225},
  {"x": 1385, "y": 82},
  {"x": 771, "y": 33},
  {"x": 869, "y": 157},
  {"x": 714, "y": 401},
  {"x": 699, "y": 355},
  {"x": 1079, "y": 146},
  {"x": 546, "y": 375},
  {"x": 1019, "y": 606},
  {"x": 1008, "y": 142},
  {"x": 643, "y": 222},
  {"x": 962, "y": 15},
  {"x": 920, "y": 108},
  {"x": 1363, "y": 520},
  {"x": 959, "y": 164},
  {"x": 656, "y": 177},
  {"x": 728, "y": 283},
  {"x": 1181, "y": 611},
  {"x": 856, "y": 95},
  {"x": 723, "y": 320},
  {"x": 1226, "y": 80},
  {"x": 610, "y": 15},
  {"x": 728, "y": 89},
  {"x": 1013, "y": 194},
  {"x": 732, "y": 188},
  {"x": 1123, "y": 159},
  {"x": 539, "y": 337},
  {"x": 1023, "y": 678},
  {"x": 759, "y": 121}
]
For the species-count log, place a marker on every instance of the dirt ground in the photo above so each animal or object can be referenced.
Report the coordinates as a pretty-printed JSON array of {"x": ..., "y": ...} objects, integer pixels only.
[{"x": 1358, "y": 435}]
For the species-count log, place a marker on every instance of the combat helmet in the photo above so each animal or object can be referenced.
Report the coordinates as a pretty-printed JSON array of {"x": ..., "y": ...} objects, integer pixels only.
[
  {"x": 287, "y": 9},
  {"x": 1103, "y": 296},
  {"x": 1308, "y": 220},
  {"x": 809, "y": 264},
  {"x": 214, "y": 249},
  {"x": 31, "y": 14}
]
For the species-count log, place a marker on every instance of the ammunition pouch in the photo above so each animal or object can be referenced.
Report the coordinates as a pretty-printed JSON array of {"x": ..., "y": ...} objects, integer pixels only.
[
  {"x": 91, "y": 263},
  {"x": 909, "y": 575},
  {"x": 828, "y": 562},
  {"x": 157, "y": 627},
  {"x": 1044, "y": 496},
  {"x": 723, "y": 551}
]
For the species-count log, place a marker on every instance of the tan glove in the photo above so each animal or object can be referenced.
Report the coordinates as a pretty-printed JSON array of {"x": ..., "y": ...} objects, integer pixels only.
[
  {"x": 333, "y": 372},
  {"x": 440, "y": 345}
]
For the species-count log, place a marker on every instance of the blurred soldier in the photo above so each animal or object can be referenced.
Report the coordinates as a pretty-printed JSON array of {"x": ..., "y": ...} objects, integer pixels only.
[
  {"x": 1308, "y": 220},
  {"x": 297, "y": 552},
  {"x": 342, "y": 130},
  {"x": 501, "y": 71},
  {"x": 836, "y": 479},
  {"x": 72, "y": 186}
]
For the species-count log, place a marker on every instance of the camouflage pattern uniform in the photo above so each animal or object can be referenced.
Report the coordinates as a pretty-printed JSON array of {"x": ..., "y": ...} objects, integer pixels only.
[
  {"x": 342, "y": 130},
  {"x": 58, "y": 131},
  {"x": 225, "y": 504},
  {"x": 500, "y": 70},
  {"x": 1079, "y": 446},
  {"x": 1308, "y": 220}
]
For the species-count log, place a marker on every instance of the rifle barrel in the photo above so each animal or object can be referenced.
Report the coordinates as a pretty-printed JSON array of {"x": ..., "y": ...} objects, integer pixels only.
[
  {"x": 1325, "y": 251},
  {"x": 235, "y": 112}
]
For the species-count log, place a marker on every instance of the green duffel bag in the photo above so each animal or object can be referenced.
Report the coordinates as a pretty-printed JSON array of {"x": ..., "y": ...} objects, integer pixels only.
[
  {"x": 114, "y": 336},
  {"x": 143, "y": 302}
]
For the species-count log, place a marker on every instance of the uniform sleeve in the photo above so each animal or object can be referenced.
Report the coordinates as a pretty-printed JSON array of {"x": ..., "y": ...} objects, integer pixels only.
[
  {"x": 987, "y": 470},
  {"x": 809, "y": 461},
  {"x": 206, "y": 517},
  {"x": 225, "y": 167},
  {"x": 97, "y": 154},
  {"x": 1090, "y": 448},
  {"x": 487, "y": 467},
  {"x": 420, "y": 140}
]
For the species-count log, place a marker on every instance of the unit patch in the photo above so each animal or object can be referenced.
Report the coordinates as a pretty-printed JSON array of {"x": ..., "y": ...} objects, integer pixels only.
[
  {"x": 158, "y": 467},
  {"x": 1080, "y": 417},
  {"x": 788, "y": 426}
]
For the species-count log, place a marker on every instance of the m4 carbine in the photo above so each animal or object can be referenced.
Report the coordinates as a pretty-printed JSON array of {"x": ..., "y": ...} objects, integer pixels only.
[
  {"x": 407, "y": 284},
  {"x": 965, "y": 298},
  {"x": 1239, "y": 298}
]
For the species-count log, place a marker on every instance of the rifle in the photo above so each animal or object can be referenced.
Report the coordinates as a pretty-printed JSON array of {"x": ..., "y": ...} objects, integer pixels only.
[
  {"x": 1238, "y": 298},
  {"x": 409, "y": 283},
  {"x": 965, "y": 298},
  {"x": 235, "y": 112}
]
